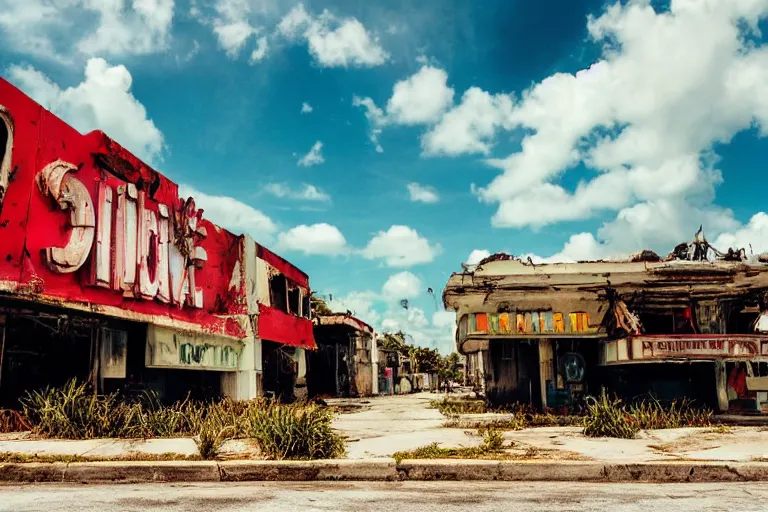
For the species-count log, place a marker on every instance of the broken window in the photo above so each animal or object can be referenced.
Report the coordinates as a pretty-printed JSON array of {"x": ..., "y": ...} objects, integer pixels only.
[
  {"x": 710, "y": 318},
  {"x": 669, "y": 321},
  {"x": 278, "y": 292},
  {"x": 306, "y": 308},
  {"x": 293, "y": 301},
  {"x": 114, "y": 346}
]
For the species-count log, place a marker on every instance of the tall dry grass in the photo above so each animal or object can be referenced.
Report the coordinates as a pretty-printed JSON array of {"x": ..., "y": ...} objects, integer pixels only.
[
  {"x": 610, "y": 417},
  {"x": 283, "y": 431}
]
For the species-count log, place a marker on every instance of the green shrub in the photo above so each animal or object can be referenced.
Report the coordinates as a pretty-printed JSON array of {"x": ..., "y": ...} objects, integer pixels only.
[
  {"x": 294, "y": 431},
  {"x": 608, "y": 418}
]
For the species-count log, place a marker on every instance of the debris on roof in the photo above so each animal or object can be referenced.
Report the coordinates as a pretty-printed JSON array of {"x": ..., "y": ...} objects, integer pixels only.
[
  {"x": 499, "y": 256},
  {"x": 645, "y": 255}
]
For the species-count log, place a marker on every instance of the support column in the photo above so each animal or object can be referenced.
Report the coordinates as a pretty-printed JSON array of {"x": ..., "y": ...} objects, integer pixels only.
[
  {"x": 374, "y": 364},
  {"x": 545, "y": 368},
  {"x": 246, "y": 382},
  {"x": 243, "y": 384},
  {"x": 721, "y": 386}
]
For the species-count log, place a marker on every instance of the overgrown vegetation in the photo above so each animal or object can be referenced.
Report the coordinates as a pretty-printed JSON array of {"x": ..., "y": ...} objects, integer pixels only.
[
  {"x": 492, "y": 445},
  {"x": 652, "y": 414},
  {"x": 610, "y": 417},
  {"x": 297, "y": 431},
  {"x": 283, "y": 431},
  {"x": 605, "y": 416}
]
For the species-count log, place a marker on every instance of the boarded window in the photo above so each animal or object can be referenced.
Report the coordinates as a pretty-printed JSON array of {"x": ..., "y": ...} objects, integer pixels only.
[{"x": 278, "y": 292}]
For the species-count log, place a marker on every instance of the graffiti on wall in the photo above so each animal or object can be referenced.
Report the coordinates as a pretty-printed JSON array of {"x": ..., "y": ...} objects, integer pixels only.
[
  {"x": 206, "y": 354},
  {"x": 173, "y": 350}
]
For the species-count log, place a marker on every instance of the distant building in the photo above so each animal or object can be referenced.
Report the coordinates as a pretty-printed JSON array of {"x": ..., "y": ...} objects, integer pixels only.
[
  {"x": 691, "y": 325},
  {"x": 108, "y": 275},
  {"x": 345, "y": 363}
]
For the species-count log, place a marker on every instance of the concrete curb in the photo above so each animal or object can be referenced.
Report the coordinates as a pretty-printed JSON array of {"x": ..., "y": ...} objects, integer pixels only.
[
  {"x": 302, "y": 471},
  {"x": 381, "y": 470}
]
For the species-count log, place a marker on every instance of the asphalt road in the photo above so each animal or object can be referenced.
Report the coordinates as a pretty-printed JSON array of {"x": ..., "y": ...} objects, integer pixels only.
[{"x": 372, "y": 496}]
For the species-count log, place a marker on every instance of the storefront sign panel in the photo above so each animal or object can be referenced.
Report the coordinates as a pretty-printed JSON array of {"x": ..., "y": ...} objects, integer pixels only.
[
  {"x": 699, "y": 347},
  {"x": 169, "y": 349}
]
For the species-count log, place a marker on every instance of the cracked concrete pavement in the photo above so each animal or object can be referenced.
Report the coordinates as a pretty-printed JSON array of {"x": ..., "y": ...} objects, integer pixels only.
[{"x": 376, "y": 496}]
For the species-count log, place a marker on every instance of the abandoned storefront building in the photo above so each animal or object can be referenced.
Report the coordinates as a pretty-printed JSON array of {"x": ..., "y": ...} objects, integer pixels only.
[
  {"x": 694, "y": 324},
  {"x": 345, "y": 363},
  {"x": 108, "y": 276}
]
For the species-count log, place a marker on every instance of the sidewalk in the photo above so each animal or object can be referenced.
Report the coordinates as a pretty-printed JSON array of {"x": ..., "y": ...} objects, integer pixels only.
[
  {"x": 385, "y": 425},
  {"x": 378, "y": 427}
]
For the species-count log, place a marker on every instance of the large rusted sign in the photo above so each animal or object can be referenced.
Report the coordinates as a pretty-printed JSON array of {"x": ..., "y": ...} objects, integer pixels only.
[
  {"x": 87, "y": 225},
  {"x": 134, "y": 250}
]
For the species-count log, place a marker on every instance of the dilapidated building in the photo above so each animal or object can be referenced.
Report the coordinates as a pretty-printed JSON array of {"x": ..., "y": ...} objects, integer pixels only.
[
  {"x": 693, "y": 324},
  {"x": 345, "y": 363},
  {"x": 109, "y": 275}
]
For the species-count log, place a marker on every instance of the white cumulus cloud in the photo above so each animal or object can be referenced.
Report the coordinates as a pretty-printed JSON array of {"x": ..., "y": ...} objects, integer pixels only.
[
  {"x": 401, "y": 246},
  {"x": 333, "y": 41},
  {"x": 422, "y": 193},
  {"x": 260, "y": 52},
  {"x": 103, "y": 101},
  {"x": 317, "y": 239},
  {"x": 306, "y": 108},
  {"x": 306, "y": 192},
  {"x": 66, "y": 29},
  {"x": 476, "y": 256},
  {"x": 416, "y": 100},
  {"x": 470, "y": 126},
  {"x": 420, "y": 98},
  {"x": 313, "y": 157},
  {"x": 232, "y": 214},
  {"x": 403, "y": 285},
  {"x": 636, "y": 116}
]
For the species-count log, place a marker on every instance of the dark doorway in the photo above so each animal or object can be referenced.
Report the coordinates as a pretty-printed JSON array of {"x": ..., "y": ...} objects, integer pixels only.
[
  {"x": 42, "y": 351},
  {"x": 279, "y": 371},
  {"x": 515, "y": 372}
]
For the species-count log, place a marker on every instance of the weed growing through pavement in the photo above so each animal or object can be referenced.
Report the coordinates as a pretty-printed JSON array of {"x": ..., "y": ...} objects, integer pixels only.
[{"x": 491, "y": 447}]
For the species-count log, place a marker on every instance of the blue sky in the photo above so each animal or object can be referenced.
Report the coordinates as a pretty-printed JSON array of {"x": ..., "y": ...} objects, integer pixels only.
[{"x": 377, "y": 145}]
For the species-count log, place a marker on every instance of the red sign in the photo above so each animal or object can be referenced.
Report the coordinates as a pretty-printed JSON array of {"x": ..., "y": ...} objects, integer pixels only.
[{"x": 85, "y": 224}]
